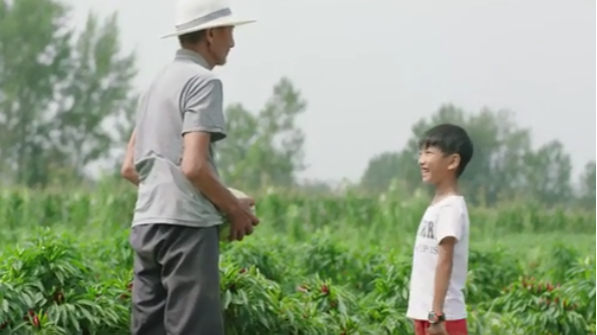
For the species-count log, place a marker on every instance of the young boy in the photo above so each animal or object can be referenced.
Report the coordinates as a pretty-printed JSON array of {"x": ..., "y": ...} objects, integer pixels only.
[{"x": 440, "y": 259}]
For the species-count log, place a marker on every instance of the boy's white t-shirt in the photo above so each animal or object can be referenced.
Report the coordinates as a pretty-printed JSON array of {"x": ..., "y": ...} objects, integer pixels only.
[{"x": 448, "y": 217}]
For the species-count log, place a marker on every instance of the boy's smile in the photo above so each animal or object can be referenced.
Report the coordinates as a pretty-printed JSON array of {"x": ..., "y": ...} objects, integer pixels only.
[
  {"x": 430, "y": 163},
  {"x": 425, "y": 174}
]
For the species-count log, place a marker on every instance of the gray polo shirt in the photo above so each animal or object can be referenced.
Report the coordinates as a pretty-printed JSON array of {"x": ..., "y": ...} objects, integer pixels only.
[{"x": 185, "y": 97}]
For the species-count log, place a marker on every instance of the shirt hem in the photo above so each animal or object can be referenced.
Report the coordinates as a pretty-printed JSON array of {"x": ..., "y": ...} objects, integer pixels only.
[{"x": 176, "y": 222}]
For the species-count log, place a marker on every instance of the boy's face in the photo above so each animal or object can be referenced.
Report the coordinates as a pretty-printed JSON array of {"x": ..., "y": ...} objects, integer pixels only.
[{"x": 436, "y": 166}]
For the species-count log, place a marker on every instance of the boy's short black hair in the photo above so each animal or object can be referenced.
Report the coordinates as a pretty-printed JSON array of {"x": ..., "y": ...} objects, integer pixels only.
[{"x": 450, "y": 139}]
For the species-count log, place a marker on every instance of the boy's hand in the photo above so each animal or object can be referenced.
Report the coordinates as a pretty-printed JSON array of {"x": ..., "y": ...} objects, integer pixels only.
[{"x": 437, "y": 329}]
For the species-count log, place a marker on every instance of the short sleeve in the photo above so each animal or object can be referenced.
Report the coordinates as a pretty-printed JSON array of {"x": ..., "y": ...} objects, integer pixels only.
[
  {"x": 140, "y": 106},
  {"x": 202, "y": 104},
  {"x": 450, "y": 222}
]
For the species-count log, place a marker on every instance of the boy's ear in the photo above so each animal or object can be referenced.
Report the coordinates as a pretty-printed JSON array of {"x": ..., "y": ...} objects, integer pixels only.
[{"x": 454, "y": 162}]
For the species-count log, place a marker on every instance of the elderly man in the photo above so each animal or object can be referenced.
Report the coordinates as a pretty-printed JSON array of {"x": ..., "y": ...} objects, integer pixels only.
[{"x": 170, "y": 157}]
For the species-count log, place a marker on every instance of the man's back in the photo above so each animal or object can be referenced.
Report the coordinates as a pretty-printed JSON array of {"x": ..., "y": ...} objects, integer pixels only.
[
  {"x": 165, "y": 194},
  {"x": 175, "y": 233}
]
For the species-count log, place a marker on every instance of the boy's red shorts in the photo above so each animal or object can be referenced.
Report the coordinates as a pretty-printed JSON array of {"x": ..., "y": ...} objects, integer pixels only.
[{"x": 454, "y": 327}]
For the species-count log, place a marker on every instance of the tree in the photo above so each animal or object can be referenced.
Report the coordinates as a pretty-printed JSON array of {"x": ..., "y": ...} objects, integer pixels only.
[
  {"x": 384, "y": 167},
  {"x": 98, "y": 98},
  {"x": 58, "y": 91},
  {"x": 503, "y": 165},
  {"x": 266, "y": 148},
  {"x": 27, "y": 82},
  {"x": 587, "y": 186},
  {"x": 547, "y": 174}
]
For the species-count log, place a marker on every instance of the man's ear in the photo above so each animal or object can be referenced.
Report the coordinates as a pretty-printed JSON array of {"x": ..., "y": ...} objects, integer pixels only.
[
  {"x": 454, "y": 162},
  {"x": 209, "y": 35}
]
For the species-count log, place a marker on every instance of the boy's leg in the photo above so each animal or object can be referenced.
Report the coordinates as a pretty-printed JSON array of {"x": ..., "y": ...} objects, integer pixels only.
[
  {"x": 457, "y": 327},
  {"x": 191, "y": 276},
  {"x": 148, "y": 294}
]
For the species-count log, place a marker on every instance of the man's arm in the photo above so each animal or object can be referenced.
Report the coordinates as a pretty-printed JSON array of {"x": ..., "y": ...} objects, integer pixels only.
[
  {"x": 449, "y": 231},
  {"x": 203, "y": 123},
  {"x": 196, "y": 167},
  {"x": 127, "y": 171}
]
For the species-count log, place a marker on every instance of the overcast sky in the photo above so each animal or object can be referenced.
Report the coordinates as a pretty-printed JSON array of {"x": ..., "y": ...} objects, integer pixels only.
[{"x": 370, "y": 69}]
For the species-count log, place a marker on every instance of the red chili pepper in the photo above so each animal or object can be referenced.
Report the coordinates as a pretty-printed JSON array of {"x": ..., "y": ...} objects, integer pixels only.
[{"x": 35, "y": 321}]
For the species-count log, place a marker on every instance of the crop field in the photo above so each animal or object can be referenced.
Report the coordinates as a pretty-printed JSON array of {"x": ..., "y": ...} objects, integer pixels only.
[{"x": 316, "y": 265}]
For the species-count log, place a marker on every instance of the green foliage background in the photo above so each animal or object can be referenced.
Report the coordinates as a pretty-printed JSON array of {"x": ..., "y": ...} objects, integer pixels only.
[{"x": 317, "y": 265}]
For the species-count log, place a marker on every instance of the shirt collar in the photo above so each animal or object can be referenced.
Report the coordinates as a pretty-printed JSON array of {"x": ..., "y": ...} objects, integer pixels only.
[{"x": 188, "y": 55}]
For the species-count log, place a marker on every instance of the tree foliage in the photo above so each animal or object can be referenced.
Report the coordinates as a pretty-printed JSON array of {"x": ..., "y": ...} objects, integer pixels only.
[
  {"x": 264, "y": 148},
  {"x": 59, "y": 92},
  {"x": 504, "y": 163},
  {"x": 67, "y": 103},
  {"x": 587, "y": 185}
]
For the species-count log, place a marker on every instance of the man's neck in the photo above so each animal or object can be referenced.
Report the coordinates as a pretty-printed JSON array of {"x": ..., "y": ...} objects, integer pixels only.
[{"x": 204, "y": 54}]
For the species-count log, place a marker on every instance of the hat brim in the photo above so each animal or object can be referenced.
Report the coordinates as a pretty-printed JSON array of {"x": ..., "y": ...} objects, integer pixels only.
[{"x": 222, "y": 22}]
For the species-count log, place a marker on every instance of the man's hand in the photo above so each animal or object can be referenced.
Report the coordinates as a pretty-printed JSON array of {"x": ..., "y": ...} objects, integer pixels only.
[
  {"x": 249, "y": 202},
  {"x": 242, "y": 220},
  {"x": 437, "y": 329}
]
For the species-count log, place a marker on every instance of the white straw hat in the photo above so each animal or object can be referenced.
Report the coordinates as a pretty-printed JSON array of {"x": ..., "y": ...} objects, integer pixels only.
[{"x": 196, "y": 15}]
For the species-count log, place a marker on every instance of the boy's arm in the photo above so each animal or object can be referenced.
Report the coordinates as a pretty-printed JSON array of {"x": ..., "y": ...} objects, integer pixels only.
[
  {"x": 449, "y": 231},
  {"x": 127, "y": 171}
]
